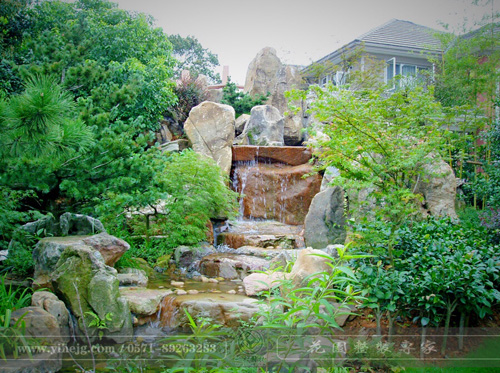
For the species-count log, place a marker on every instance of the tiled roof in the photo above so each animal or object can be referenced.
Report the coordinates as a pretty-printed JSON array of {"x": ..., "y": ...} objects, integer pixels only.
[{"x": 403, "y": 34}]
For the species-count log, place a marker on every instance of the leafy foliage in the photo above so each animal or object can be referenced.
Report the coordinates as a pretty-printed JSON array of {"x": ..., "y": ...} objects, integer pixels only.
[
  {"x": 241, "y": 102},
  {"x": 192, "y": 190},
  {"x": 440, "y": 267},
  {"x": 380, "y": 144}
]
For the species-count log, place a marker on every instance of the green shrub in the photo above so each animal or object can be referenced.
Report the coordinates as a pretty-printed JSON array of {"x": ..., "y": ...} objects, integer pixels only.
[
  {"x": 194, "y": 190},
  {"x": 241, "y": 102}
]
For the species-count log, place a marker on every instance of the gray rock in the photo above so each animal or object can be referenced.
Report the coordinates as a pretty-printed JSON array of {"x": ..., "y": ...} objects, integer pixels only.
[
  {"x": 144, "y": 302},
  {"x": 79, "y": 225},
  {"x": 185, "y": 256},
  {"x": 267, "y": 74},
  {"x": 231, "y": 266},
  {"x": 210, "y": 128},
  {"x": 325, "y": 220},
  {"x": 328, "y": 176},
  {"x": 265, "y": 126},
  {"x": 293, "y": 134},
  {"x": 53, "y": 305}
]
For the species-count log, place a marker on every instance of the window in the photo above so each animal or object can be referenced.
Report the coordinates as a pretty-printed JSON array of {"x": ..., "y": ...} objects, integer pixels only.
[
  {"x": 409, "y": 74},
  {"x": 338, "y": 78}
]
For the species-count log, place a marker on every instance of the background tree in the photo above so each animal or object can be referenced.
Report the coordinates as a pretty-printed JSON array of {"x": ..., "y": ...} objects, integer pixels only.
[
  {"x": 379, "y": 143},
  {"x": 111, "y": 75},
  {"x": 190, "y": 55}
]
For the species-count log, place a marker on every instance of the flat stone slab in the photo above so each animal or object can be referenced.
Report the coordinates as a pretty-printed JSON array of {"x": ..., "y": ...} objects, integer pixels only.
[
  {"x": 142, "y": 301},
  {"x": 223, "y": 309},
  {"x": 291, "y": 155},
  {"x": 262, "y": 234}
]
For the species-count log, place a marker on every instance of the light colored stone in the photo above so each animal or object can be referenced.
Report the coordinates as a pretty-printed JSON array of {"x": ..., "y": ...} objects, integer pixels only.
[
  {"x": 309, "y": 262},
  {"x": 180, "y": 292},
  {"x": 325, "y": 220},
  {"x": 178, "y": 284},
  {"x": 39, "y": 323},
  {"x": 222, "y": 308},
  {"x": 257, "y": 282},
  {"x": 293, "y": 130},
  {"x": 144, "y": 302},
  {"x": 438, "y": 185},
  {"x": 265, "y": 126},
  {"x": 192, "y": 291},
  {"x": 210, "y": 128},
  {"x": 267, "y": 74}
]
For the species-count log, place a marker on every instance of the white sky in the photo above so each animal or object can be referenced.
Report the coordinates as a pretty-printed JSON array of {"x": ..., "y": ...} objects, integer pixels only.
[{"x": 301, "y": 31}]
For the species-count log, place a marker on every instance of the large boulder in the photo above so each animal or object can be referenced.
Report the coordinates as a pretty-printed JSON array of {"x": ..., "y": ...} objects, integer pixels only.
[
  {"x": 265, "y": 126},
  {"x": 309, "y": 262},
  {"x": 48, "y": 251},
  {"x": 439, "y": 187},
  {"x": 267, "y": 74},
  {"x": 210, "y": 128},
  {"x": 53, "y": 305},
  {"x": 87, "y": 285},
  {"x": 326, "y": 219}
]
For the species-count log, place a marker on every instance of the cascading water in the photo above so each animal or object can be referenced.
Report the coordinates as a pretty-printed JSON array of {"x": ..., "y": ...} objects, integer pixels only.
[{"x": 275, "y": 192}]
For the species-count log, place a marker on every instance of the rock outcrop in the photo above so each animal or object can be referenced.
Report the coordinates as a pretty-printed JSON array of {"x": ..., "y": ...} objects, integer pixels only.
[
  {"x": 210, "y": 128},
  {"x": 325, "y": 220},
  {"x": 268, "y": 75}
]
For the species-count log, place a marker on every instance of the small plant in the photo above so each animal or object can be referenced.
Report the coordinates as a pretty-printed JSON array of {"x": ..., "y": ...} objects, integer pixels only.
[
  {"x": 12, "y": 336},
  {"x": 198, "y": 351},
  {"x": 98, "y": 323},
  {"x": 11, "y": 298}
]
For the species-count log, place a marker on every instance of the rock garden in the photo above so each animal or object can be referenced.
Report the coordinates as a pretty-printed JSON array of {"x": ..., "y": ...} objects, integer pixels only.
[{"x": 150, "y": 221}]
